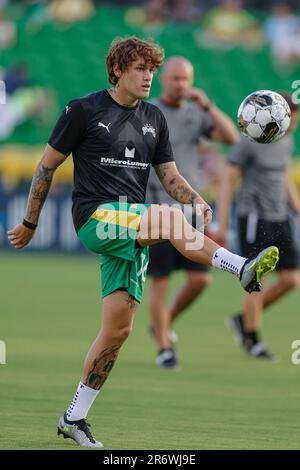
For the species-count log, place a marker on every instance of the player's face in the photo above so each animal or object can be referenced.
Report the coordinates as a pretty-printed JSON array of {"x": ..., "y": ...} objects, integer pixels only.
[
  {"x": 137, "y": 78},
  {"x": 176, "y": 81}
]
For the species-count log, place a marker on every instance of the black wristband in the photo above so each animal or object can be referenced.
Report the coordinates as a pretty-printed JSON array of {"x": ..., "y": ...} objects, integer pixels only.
[{"x": 29, "y": 224}]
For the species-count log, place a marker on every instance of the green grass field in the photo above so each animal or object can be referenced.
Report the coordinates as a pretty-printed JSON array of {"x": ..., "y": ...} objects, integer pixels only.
[{"x": 50, "y": 313}]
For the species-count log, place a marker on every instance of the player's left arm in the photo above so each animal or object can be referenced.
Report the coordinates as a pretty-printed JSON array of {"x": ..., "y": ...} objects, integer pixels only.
[
  {"x": 22, "y": 234},
  {"x": 224, "y": 130},
  {"x": 180, "y": 190},
  {"x": 293, "y": 197}
]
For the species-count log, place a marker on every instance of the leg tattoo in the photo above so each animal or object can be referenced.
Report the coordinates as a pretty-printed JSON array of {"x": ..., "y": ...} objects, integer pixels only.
[
  {"x": 101, "y": 367},
  {"x": 131, "y": 302}
]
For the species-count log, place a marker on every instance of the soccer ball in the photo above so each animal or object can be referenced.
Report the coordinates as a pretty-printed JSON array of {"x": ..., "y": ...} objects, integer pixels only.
[{"x": 264, "y": 116}]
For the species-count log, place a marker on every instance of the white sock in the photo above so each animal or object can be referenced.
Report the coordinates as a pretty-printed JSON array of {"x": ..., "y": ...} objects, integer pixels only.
[
  {"x": 81, "y": 403},
  {"x": 227, "y": 261}
]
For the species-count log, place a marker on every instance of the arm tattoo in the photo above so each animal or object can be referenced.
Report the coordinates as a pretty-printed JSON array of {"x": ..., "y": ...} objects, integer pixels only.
[
  {"x": 40, "y": 186},
  {"x": 101, "y": 367},
  {"x": 162, "y": 171},
  {"x": 175, "y": 185}
]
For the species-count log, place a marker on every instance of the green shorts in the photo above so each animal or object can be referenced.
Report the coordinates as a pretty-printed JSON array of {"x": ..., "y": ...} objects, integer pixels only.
[{"x": 111, "y": 231}]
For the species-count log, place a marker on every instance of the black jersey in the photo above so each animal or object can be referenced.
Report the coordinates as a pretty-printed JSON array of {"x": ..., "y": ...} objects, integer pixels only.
[{"x": 113, "y": 147}]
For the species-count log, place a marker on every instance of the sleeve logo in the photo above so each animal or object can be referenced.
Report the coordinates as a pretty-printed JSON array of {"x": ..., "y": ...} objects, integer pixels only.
[{"x": 149, "y": 128}]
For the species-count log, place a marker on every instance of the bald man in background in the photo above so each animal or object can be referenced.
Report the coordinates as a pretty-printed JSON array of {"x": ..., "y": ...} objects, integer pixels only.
[{"x": 190, "y": 115}]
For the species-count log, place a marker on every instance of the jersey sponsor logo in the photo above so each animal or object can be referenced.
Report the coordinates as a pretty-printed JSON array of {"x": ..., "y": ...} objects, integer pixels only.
[
  {"x": 129, "y": 153},
  {"x": 149, "y": 128},
  {"x": 100, "y": 124},
  {"x": 111, "y": 161}
]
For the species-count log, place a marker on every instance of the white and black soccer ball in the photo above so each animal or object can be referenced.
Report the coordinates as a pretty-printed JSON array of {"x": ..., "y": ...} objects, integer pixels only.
[{"x": 264, "y": 116}]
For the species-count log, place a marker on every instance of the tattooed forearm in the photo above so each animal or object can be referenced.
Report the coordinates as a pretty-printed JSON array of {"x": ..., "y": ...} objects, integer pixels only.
[
  {"x": 180, "y": 190},
  {"x": 101, "y": 367},
  {"x": 175, "y": 185},
  {"x": 40, "y": 186},
  {"x": 162, "y": 171}
]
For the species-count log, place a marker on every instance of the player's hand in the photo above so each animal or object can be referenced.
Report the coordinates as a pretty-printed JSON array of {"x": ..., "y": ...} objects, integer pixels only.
[
  {"x": 207, "y": 215},
  {"x": 20, "y": 236},
  {"x": 203, "y": 209},
  {"x": 199, "y": 97}
]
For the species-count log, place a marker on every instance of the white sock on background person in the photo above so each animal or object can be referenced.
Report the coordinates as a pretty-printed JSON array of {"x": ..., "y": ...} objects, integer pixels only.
[
  {"x": 81, "y": 403},
  {"x": 227, "y": 261}
]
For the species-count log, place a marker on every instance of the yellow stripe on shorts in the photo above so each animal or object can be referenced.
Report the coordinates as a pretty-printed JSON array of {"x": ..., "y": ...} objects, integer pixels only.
[{"x": 121, "y": 218}]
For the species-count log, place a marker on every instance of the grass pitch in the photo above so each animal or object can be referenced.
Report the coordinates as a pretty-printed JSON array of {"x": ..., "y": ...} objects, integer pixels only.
[{"x": 50, "y": 313}]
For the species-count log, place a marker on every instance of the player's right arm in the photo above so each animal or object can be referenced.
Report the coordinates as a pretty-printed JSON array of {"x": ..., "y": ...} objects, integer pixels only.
[{"x": 20, "y": 235}]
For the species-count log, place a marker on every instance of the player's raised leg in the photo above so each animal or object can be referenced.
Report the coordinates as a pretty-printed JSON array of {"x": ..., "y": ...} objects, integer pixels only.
[
  {"x": 118, "y": 313},
  {"x": 163, "y": 222}
]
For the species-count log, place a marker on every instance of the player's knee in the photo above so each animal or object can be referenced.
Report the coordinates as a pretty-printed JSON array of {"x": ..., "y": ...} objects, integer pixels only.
[
  {"x": 124, "y": 332},
  {"x": 199, "y": 280},
  {"x": 293, "y": 280},
  {"x": 206, "y": 280},
  {"x": 121, "y": 333}
]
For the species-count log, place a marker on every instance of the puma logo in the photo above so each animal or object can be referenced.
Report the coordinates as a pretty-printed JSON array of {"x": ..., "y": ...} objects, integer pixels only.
[{"x": 100, "y": 124}]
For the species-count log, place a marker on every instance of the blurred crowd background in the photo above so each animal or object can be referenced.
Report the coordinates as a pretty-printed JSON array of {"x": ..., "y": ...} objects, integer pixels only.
[{"x": 53, "y": 51}]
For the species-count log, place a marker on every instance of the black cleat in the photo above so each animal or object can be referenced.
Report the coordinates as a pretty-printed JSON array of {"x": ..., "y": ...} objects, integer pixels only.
[
  {"x": 258, "y": 350},
  {"x": 167, "y": 359}
]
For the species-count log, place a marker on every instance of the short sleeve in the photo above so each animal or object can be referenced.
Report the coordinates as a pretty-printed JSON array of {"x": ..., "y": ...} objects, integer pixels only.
[
  {"x": 164, "y": 152},
  {"x": 240, "y": 153},
  {"x": 69, "y": 129}
]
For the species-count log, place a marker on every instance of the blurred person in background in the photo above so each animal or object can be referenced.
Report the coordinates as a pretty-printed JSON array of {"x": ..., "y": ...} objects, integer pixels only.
[
  {"x": 70, "y": 11},
  {"x": 190, "y": 115},
  {"x": 8, "y": 31},
  {"x": 229, "y": 25},
  {"x": 151, "y": 16},
  {"x": 26, "y": 104},
  {"x": 183, "y": 11},
  {"x": 282, "y": 30},
  {"x": 265, "y": 199},
  {"x": 24, "y": 101},
  {"x": 15, "y": 77}
]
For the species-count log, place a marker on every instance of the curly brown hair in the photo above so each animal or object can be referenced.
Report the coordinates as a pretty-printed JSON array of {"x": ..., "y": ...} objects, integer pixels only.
[{"x": 124, "y": 51}]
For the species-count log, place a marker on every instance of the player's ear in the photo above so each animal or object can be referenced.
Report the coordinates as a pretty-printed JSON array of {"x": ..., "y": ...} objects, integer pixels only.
[{"x": 117, "y": 70}]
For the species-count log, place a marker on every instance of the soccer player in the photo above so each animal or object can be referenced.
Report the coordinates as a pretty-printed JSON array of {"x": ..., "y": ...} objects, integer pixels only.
[
  {"x": 190, "y": 115},
  {"x": 265, "y": 198},
  {"x": 114, "y": 137}
]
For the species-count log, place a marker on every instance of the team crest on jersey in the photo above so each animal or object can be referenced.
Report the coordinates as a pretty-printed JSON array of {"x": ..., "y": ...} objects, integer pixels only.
[
  {"x": 129, "y": 153},
  {"x": 149, "y": 128}
]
